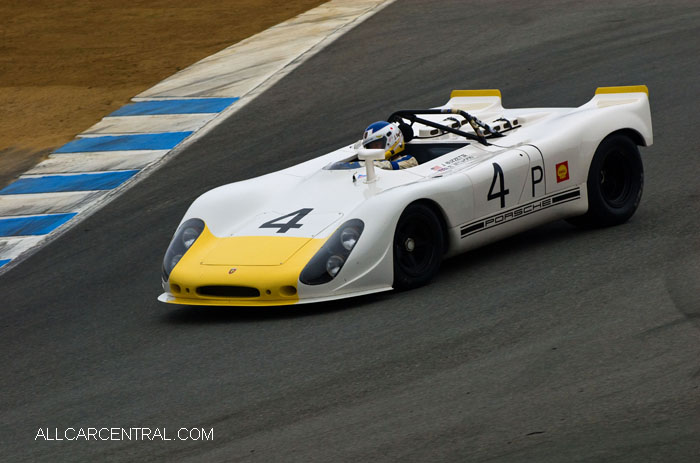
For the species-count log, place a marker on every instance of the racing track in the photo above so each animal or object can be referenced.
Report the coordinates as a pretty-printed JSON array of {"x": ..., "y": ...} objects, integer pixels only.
[{"x": 556, "y": 345}]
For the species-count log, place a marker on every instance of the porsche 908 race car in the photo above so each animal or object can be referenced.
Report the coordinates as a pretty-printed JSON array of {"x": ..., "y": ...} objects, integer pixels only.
[{"x": 336, "y": 226}]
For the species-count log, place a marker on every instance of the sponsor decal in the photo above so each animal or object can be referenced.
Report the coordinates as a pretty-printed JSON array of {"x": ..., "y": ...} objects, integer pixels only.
[
  {"x": 562, "y": 171},
  {"x": 455, "y": 162},
  {"x": 232, "y": 271}
]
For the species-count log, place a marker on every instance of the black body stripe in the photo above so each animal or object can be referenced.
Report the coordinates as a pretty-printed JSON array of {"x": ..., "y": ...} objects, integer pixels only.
[
  {"x": 565, "y": 196},
  {"x": 473, "y": 228}
]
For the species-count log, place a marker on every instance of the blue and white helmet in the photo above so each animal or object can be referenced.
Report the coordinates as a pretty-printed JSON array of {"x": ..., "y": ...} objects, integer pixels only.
[{"x": 383, "y": 135}]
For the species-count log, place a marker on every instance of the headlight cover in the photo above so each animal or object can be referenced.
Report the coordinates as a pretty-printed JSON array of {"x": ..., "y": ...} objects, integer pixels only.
[
  {"x": 329, "y": 260},
  {"x": 184, "y": 238}
]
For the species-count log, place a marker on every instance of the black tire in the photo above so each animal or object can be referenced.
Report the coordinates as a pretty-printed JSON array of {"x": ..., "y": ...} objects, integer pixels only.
[
  {"x": 615, "y": 183},
  {"x": 419, "y": 243}
]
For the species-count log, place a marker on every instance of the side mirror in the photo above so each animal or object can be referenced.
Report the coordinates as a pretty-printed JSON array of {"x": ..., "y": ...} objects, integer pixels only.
[{"x": 369, "y": 156}]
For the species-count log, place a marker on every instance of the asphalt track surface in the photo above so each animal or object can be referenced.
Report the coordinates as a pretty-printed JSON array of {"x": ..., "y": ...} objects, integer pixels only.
[{"x": 555, "y": 345}]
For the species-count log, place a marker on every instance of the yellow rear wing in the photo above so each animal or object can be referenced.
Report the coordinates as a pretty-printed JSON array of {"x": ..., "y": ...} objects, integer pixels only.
[
  {"x": 613, "y": 96},
  {"x": 476, "y": 101},
  {"x": 624, "y": 89}
]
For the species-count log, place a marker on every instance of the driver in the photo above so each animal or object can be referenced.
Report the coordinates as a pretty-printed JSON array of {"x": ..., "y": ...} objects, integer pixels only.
[{"x": 386, "y": 136}]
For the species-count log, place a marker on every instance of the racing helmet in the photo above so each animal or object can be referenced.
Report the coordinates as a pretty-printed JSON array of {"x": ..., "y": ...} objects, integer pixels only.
[{"x": 383, "y": 135}]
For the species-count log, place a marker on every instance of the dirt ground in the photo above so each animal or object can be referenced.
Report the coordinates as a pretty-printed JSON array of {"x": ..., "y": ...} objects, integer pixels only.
[{"x": 64, "y": 65}]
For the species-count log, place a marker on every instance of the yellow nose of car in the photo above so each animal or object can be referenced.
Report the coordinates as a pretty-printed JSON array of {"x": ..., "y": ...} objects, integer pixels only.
[{"x": 241, "y": 270}]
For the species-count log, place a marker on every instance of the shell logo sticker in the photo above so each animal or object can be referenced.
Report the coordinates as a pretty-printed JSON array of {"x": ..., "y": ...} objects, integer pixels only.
[{"x": 562, "y": 171}]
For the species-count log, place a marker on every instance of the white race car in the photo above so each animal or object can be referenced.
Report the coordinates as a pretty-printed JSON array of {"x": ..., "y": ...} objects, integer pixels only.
[{"x": 337, "y": 226}]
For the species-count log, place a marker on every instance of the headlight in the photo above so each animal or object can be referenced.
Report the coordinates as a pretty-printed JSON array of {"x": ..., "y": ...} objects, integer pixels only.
[
  {"x": 349, "y": 237},
  {"x": 189, "y": 235},
  {"x": 329, "y": 260},
  {"x": 184, "y": 238},
  {"x": 333, "y": 265}
]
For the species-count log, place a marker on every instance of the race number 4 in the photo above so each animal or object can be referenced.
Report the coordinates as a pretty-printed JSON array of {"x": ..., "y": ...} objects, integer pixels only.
[
  {"x": 502, "y": 191},
  {"x": 293, "y": 222}
]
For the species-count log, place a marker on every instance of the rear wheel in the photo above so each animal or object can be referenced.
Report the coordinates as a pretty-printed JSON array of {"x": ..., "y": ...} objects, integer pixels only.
[
  {"x": 419, "y": 244},
  {"x": 615, "y": 183}
]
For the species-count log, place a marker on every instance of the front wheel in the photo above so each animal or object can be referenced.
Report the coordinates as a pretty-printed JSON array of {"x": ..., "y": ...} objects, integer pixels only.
[
  {"x": 615, "y": 183},
  {"x": 419, "y": 244}
]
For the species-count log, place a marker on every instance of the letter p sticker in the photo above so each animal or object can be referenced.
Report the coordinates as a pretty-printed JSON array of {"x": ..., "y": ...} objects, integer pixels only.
[{"x": 537, "y": 176}]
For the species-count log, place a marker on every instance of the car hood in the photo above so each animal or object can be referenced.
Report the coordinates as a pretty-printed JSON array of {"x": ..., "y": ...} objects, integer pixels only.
[
  {"x": 252, "y": 250},
  {"x": 266, "y": 221}
]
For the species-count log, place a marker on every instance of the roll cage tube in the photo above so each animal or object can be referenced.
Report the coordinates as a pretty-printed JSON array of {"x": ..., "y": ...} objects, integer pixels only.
[{"x": 411, "y": 115}]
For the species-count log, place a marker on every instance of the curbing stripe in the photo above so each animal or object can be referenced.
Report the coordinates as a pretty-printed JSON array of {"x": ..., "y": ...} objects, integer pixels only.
[
  {"x": 131, "y": 125},
  {"x": 11, "y": 247},
  {"x": 47, "y": 203},
  {"x": 59, "y": 183},
  {"x": 31, "y": 226},
  {"x": 148, "y": 141},
  {"x": 159, "y": 107},
  {"x": 76, "y": 163}
]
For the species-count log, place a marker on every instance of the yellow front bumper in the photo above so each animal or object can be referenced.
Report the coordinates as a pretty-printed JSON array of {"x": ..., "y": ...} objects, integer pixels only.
[{"x": 202, "y": 279}]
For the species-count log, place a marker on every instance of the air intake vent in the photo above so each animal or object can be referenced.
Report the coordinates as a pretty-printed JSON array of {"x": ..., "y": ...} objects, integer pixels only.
[{"x": 228, "y": 291}]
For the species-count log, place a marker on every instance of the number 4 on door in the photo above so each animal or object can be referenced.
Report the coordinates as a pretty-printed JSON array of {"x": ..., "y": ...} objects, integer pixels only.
[{"x": 502, "y": 192}]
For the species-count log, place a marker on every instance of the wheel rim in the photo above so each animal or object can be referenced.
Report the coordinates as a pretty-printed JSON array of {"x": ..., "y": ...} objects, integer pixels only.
[
  {"x": 414, "y": 246},
  {"x": 615, "y": 179}
]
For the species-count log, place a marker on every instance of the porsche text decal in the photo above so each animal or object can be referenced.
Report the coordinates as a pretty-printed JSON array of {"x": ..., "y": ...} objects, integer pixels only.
[{"x": 520, "y": 211}]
